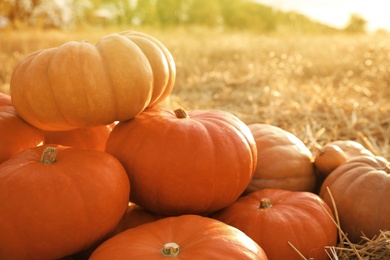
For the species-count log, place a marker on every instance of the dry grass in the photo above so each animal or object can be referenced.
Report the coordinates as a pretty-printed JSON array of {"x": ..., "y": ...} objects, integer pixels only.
[{"x": 319, "y": 87}]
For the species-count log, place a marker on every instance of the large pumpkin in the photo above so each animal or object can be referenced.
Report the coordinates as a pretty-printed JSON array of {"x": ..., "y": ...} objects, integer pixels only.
[
  {"x": 274, "y": 218},
  {"x": 361, "y": 190},
  {"x": 79, "y": 84},
  {"x": 284, "y": 161},
  {"x": 15, "y": 134},
  {"x": 56, "y": 201},
  {"x": 182, "y": 237},
  {"x": 181, "y": 163},
  {"x": 94, "y": 138}
]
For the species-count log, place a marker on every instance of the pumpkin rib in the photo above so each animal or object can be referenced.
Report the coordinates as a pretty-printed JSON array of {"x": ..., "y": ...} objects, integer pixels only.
[
  {"x": 160, "y": 69},
  {"x": 168, "y": 57},
  {"x": 137, "y": 94}
]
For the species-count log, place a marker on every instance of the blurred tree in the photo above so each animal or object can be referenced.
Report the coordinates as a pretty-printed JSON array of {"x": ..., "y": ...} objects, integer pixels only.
[
  {"x": 248, "y": 14},
  {"x": 356, "y": 24},
  {"x": 203, "y": 12},
  {"x": 170, "y": 12},
  {"x": 52, "y": 14},
  {"x": 18, "y": 12},
  {"x": 145, "y": 12}
]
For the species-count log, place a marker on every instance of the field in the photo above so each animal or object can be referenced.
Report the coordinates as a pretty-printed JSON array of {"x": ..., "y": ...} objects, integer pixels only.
[{"x": 319, "y": 87}]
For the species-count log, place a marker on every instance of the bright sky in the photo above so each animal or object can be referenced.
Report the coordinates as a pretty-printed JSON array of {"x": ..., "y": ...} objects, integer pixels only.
[{"x": 337, "y": 12}]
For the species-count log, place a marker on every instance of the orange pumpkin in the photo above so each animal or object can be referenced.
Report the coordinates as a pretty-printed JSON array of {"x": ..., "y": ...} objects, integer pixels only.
[
  {"x": 182, "y": 163},
  {"x": 361, "y": 190},
  {"x": 284, "y": 162},
  {"x": 79, "y": 84},
  {"x": 56, "y": 201},
  {"x": 93, "y": 138},
  {"x": 274, "y": 218},
  {"x": 16, "y": 134},
  {"x": 182, "y": 237},
  {"x": 135, "y": 216}
]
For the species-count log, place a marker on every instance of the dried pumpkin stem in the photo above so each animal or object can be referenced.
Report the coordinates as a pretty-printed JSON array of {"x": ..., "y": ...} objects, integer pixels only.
[
  {"x": 265, "y": 203},
  {"x": 181, "y": 113},
  {"x": 49, "y": 155},
  {"x": 170, "y": 249}
]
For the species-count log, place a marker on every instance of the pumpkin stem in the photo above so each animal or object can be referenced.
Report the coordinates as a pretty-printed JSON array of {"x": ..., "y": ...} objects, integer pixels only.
[
  {"x": 170, "y": 249},
  {"x": 181, "y": 113},
  {"x": 265, "y": 203},
  {"x": 49, "y": 155}
]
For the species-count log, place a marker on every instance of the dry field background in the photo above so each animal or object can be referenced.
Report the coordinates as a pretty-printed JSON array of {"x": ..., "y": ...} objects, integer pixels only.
[{"x": 318, "y": 87}]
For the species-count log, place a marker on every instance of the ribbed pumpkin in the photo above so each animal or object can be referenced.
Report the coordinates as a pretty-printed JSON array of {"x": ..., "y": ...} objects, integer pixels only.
[
  {"x": 352, "y": 148},
  {"x": 182, "y": 237},
  {"x": 15, "y": 134},
  {"x": 284, "y": 161},
  {"x": 182, "y": 163},
  {"x": 79, "y": 84},
  {"x": 333, "y": 154},
  {"x": 274, "y": 218},
  {"x": 56, "y": 201},
  {"x": 361, "y": 191},
  {"x": 328, "y": 158}
]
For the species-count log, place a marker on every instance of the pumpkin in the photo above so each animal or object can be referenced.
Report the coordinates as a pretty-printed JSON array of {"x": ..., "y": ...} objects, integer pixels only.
[
  {"x": 273, "y": 218},
  {"x": 79, "y": 84},
  {"x": 284, "y": 161},
  {"x": 328, "y": 158},
  {"x": 135, "y": 216},
  {"x": 164, "y": 70},
  {"x": 181, "y": 237},
  {"x": 56, "y": 201},
  {"x": 16, "y": 134},
  {"x": 182, "y": 162},
  {"x": 94, "y": 138},
  {"x": 352, "y": 148},
  {"x": 361, "y": 189}
]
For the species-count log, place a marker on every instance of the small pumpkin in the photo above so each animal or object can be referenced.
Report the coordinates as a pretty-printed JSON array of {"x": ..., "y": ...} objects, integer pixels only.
[
  {"x": 273, "y": 218},
  {"x": 135, "y": 216},
  {"x": 16, "y": 134},
  {"x": 181, "y": 237},
  {"x": 284, "y": 161},
  {"x": 56, "y": 201},
  {"x": 352, "y": 148},
  {"x": 79, "y": 84},
  {"x": 328, "y": 158},
  {"x": 361, "y": 189},
  {"x": 93, "y": 138},
  {"x": 181, "y": 162}
]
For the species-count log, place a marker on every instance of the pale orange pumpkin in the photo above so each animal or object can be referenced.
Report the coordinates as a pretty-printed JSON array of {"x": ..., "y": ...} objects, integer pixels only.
[
  {"x": 328, "y": 158},
  {"x": 360, "y": 188},
  {"x": 283, "y": 161},
  {"x": 79, "y": 84}
]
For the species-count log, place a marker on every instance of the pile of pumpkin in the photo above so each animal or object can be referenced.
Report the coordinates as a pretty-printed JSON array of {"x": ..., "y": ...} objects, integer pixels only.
[{"x": 92, "y": 167}]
